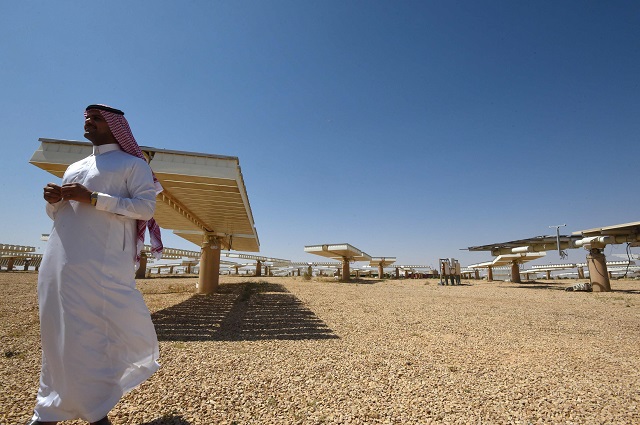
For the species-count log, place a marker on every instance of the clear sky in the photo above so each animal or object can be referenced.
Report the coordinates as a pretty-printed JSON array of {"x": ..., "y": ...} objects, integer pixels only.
[{"x": 405, "y": 128}]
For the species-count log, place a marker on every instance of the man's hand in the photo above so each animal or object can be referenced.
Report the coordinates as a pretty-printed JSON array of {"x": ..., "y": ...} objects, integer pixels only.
[
  {"x": 75, "y": 192},
  {"x": 52, "y": 193}
]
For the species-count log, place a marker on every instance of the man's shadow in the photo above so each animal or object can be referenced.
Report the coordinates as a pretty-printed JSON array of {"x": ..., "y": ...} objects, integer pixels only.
[{"x": 248, "y": 311}]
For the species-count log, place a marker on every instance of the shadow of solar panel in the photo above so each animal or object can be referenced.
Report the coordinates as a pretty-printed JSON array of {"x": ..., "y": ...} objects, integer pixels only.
[
  {"x": 197, "y": 319},
  {"x": 279, "y": 316},
  {"x": 241, "y": 312}
]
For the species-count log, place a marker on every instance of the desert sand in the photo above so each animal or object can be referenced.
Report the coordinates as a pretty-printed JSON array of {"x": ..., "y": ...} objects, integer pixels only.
[{"x": 273, "y": 350}]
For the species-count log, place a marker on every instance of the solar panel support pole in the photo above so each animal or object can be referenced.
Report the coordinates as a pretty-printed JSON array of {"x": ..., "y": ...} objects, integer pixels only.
[
  {"x": 142, "y": 268},
  {"x": 209, "y": 275},
  {"x": 598, "y": 273},
  {"x": 346, "y": 273},
  {"x": 515, "y": 273}
]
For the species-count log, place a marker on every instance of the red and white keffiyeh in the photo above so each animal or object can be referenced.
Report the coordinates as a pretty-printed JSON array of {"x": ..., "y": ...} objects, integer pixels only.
[{"x": 120, "y": 129}]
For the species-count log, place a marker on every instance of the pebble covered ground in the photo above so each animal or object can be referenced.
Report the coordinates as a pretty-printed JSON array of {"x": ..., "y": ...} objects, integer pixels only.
[{"x": 272, "y": 350}]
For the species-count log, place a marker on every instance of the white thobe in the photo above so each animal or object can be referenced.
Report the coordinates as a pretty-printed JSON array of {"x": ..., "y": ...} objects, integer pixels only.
[{"x": 98, "y": 341}]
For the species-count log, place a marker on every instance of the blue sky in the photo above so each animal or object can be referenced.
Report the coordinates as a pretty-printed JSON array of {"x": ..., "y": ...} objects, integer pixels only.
[{"x": 407, "y": 129}]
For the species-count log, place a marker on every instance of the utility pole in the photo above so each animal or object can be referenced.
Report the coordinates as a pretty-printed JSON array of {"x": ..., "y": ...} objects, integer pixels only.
[{"x": 560, "y": 253}]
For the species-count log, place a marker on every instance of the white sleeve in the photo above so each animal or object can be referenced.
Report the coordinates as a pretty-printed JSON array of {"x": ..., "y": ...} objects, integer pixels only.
[
  {"x": 142, "y": 201},
  {"x": 52, "y": 209}
]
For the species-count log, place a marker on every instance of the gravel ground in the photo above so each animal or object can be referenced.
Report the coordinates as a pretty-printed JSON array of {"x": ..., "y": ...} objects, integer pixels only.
[{"x": 290, "y": 351}]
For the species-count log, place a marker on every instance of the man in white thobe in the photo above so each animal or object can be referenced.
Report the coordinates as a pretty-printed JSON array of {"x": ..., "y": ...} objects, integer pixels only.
[{"x": 98, "y": 341}]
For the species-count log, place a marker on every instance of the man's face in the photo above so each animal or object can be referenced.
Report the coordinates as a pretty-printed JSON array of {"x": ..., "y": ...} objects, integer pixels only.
[{"x": 96, "y": 128}]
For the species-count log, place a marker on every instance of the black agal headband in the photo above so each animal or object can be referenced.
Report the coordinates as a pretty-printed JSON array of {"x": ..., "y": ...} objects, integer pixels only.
[{"x": 105, "y": 108}]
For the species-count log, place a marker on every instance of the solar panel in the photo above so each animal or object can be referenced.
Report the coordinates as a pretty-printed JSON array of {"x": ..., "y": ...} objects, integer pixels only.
[{"x": 203, "y": 193}]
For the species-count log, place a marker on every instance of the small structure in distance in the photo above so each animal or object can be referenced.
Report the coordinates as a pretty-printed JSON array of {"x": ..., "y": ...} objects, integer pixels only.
[{"x": 343, "y": 252}]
